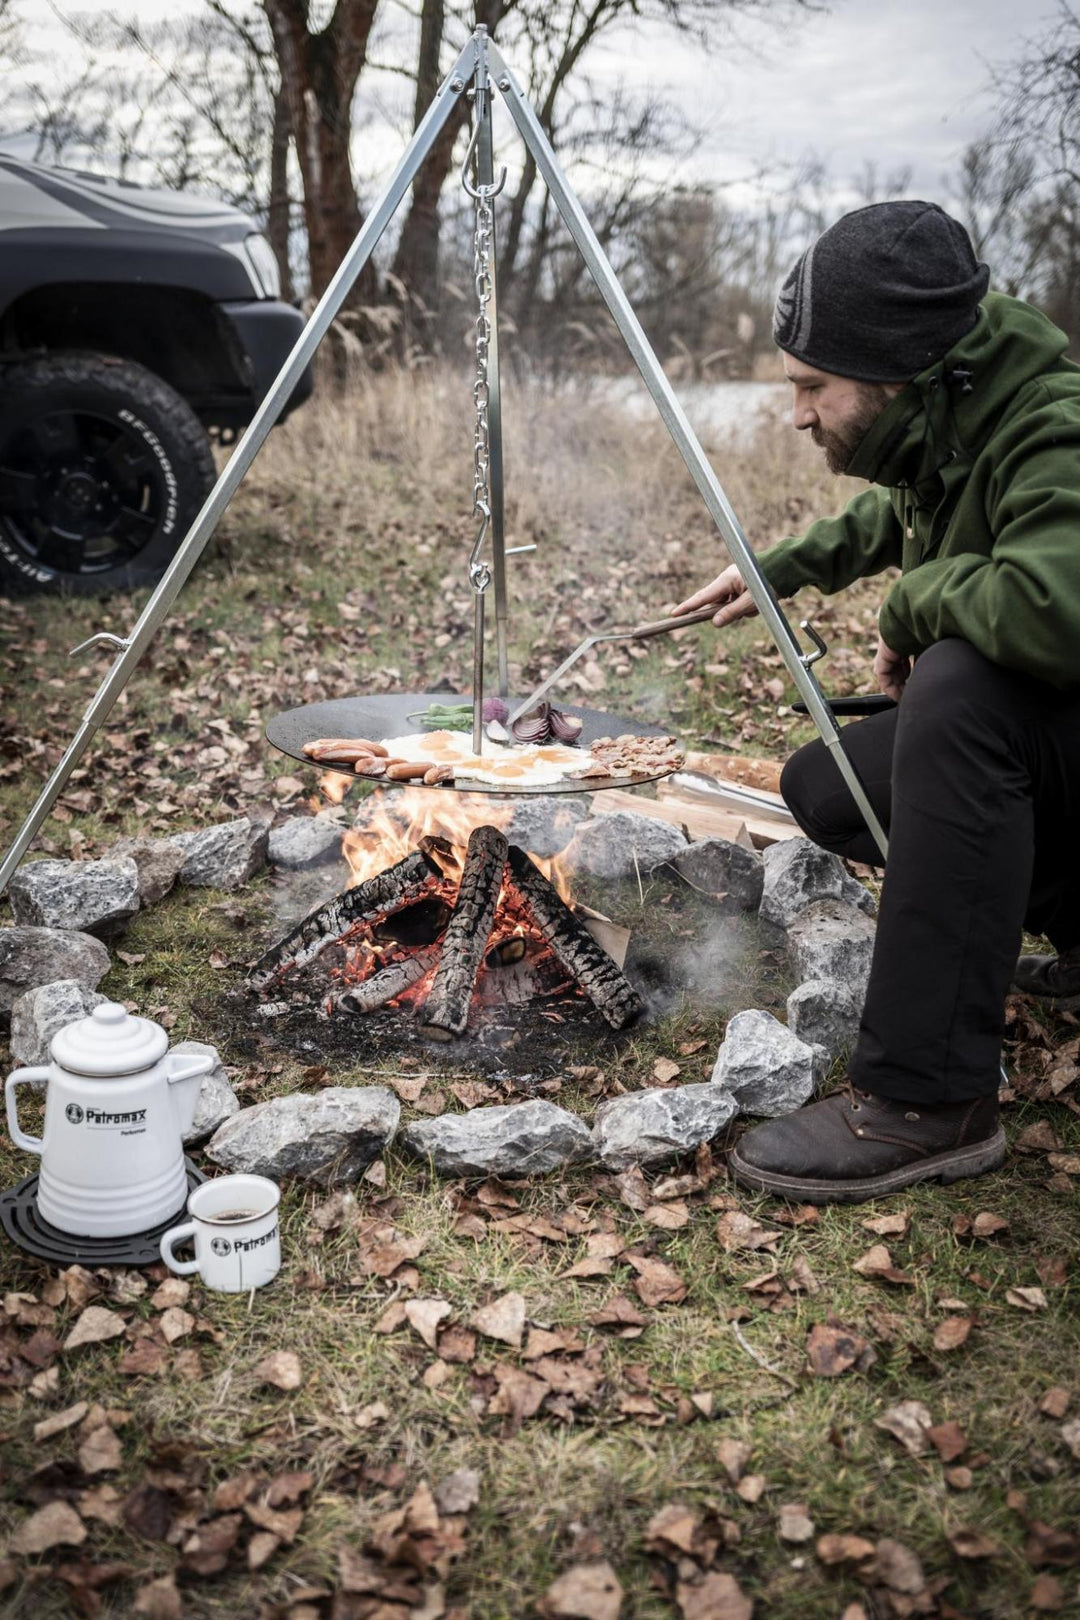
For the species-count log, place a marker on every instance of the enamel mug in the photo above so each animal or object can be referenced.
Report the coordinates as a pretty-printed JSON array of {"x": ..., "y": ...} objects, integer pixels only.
[{"x": 234, "y": 1226}]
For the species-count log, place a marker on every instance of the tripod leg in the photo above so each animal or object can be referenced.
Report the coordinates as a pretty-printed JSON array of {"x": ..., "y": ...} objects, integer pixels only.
[{"x": 191, "y": 547}]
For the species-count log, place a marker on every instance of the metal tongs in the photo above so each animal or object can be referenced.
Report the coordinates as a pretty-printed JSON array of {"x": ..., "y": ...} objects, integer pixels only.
[{"x": 640, "y": 632}]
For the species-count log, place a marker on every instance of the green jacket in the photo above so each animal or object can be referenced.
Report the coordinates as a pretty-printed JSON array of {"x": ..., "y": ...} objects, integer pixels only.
[{"x": 976, "y": 468}]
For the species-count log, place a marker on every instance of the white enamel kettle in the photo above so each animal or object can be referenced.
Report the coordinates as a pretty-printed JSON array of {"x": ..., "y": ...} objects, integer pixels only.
[{"x": 117, "y": 1105}]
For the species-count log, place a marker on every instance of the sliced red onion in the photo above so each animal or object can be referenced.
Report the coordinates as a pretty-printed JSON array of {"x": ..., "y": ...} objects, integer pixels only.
[
  {"x": 533, "y": 727},
  {"x": 564, "y": 727},
  {"x": 495, "y": 709}
]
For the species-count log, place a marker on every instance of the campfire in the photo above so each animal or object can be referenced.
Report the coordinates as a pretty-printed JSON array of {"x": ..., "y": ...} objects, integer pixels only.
[{"x": 442, "y": 917}]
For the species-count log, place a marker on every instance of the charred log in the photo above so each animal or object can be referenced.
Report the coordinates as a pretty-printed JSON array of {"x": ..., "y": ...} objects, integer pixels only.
[
  {"x": 417, "y": 925},
  {"x": 354, "y": 911},
  {"x": 446, "y": 1011},
  {"x": 602, "y": 980},
  {"x": 387, "y": 982}
]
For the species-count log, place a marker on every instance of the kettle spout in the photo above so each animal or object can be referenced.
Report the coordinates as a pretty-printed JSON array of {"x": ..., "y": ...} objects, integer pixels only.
[{"x": 185, "y": 1071}]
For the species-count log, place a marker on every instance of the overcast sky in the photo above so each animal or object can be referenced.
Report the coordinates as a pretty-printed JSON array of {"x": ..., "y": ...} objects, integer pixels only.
[{"x": 894, "y": 82}]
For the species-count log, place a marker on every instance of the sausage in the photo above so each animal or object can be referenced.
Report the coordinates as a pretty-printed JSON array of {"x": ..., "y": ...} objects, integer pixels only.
[
  {"x": 370, "y": 767},
  {"x": 437, "y": 774},
  {"x": 343, "y": 748},
  {"x": 401, "y": 770}
]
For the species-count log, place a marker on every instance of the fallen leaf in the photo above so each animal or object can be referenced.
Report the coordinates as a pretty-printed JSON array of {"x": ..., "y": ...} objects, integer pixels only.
[
  {"x": 280, "y": 1368},
  {"x": 261, "y": 1548},
  {"x": 986, "y": 1225},
  {"x": 968, "y": 1543},
  {"x": 907, "y": 1422},
  {"x": 665, "y": 1071},
  {"x": 888, "y": 1225},
  {"x": 1055, "y": 1403},
  {"x": 1039, "y": 1138},
  {"x": 503, "y": 1319},
  {"x": 898, "y": 1567},
  {"x": 952, "y": 1333},
  {"x": 100, "y": 1452},
  {"x": 160, "y": 1600},
  {"x": 877, "y": 1262},
  {"x": 844, "y": 1549},
  {"x": 55, "y": 1525},
  {"x": 961, "y": 1479},
  {"x": 144, "y": 1359},
  {"x": 175, "y": 1324},
  {"x": 1052, "y": 1270},
  {"x": 94, "y": 1326},
  {"x": 794, "y": 1524},
  {"x": 619, "y": 1312},
  {"x": 233, "y": 1492},
  {"x": 1047, "y": 1594},
  {"x": 1070, "y": 1433},
  {"x": 1026, "y": 1299},
  {"x": 457, "y": 1344},
  {"x": 833, "y": 1349},
  {"x": 289, "y": 1487},
  {"x": 206, "y": 1551},
  {"x": 173, "y": 1291},
  {"x": 424, "y": 1316},
  {"x": 733, "y": 1456},
  {"x": 458, "y": 1492},
  {"x": 751, "y": 1487},
  {"x": 673, "y": 1526},
  {"x": 60, "y": 1421},
  {"x": 736, "y": 1230},
  {"x": 633, "y": 1188},
  {"x": 948, "y": 1440},
  {"x": 519, "y": 1395},
  {"x": 585, "y": 1592},
  {"x": 657, "y": 1283},
  {"x": 717, "y": 1597},
  {"x": 668, "y": 1217},
  {"x": 374, "y": 1412}
]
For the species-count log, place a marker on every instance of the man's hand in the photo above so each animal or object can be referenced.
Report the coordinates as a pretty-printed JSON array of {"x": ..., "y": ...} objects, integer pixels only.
[
  {"x": 892, "y": 670},
  {"x": 728, "y": 590}
]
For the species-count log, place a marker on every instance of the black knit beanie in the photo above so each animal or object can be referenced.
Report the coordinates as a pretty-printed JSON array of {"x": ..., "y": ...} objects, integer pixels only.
[{"x": 881, "y": 294}]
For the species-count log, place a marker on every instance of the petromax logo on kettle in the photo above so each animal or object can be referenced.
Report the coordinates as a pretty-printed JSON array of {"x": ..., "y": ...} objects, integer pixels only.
[{"x": 101, "y": 1116}]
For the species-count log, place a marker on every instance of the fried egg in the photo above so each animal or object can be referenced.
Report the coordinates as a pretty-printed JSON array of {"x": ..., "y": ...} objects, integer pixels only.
[{"x": 498, "y": 764}]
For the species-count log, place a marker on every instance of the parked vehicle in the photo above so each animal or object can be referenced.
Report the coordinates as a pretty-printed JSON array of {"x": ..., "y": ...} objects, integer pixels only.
[{"x": 133, "y": 322}]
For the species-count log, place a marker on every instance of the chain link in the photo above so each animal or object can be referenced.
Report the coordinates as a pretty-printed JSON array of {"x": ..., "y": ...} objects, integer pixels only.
[{"x": 479, "y": 572}]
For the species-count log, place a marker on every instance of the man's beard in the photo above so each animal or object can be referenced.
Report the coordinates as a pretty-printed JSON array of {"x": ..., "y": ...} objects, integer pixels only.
[{"x": 841, "y": 444}]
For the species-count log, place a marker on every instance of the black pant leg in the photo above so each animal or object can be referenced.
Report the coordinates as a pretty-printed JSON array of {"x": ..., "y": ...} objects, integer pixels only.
[
  {"x": 957, "y": 883},
  {"x": 820, "y": 800}
]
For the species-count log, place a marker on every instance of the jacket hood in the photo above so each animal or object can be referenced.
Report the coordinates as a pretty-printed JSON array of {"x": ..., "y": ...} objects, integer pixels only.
[{"x": 937, "y": 424}]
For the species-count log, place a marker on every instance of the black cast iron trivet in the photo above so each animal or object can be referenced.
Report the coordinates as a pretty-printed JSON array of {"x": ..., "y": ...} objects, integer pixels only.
[{"x": 25, "y": 1227}]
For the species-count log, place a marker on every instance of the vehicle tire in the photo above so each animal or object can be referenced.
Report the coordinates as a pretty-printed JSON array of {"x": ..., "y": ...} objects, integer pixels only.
[{"x": 102, "y": 468}]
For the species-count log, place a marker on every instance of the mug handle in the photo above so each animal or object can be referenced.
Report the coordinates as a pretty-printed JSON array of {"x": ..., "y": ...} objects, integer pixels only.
[
  {"x": 173, "y": 1236},
  {"x": 22, "y": 1077}
]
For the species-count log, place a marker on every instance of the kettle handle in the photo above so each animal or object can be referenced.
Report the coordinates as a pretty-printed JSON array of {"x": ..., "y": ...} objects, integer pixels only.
[{"x": 22, "y": 1077}]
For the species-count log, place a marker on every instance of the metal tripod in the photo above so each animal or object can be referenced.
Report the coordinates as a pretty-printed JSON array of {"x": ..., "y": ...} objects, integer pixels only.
[{"x": 479, "y": 67}]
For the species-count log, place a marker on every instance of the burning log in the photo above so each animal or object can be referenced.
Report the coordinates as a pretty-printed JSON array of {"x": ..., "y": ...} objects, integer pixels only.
[
  {"x": 386, "y": 983},
  {"x": 446, "y": 1011},
  {"x": 354, "y": 910},
  {"x": 602, "y": 980}
]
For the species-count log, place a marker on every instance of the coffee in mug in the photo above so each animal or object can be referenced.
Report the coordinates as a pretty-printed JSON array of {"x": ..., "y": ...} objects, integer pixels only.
[{"x": 234, "y": 1227}]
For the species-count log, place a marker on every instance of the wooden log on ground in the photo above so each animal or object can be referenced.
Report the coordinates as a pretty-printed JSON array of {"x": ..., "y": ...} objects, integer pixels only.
[
  {"x": 352, "y": 911},
  {"x": 464, "y": 945},
  {"x": 387, "y": 982},
  {"x": 602, "y": 980}
]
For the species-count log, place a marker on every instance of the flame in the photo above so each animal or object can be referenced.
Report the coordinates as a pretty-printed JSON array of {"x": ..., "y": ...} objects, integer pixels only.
[
  {"x": 402, "y": 817},
  {"x": 333, "y": 786}
]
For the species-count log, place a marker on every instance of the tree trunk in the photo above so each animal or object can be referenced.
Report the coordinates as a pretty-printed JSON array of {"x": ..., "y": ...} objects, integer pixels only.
[
  {"x": 319, "y": 72},
  {"x": 279, "y": 212}
]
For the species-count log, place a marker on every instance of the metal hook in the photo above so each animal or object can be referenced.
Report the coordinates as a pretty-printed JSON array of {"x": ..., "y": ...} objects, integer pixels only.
[
  {"x": 102, "y": 635},
  {"x": 479, "y": 193},
  {"x": 806, "y": 659}
]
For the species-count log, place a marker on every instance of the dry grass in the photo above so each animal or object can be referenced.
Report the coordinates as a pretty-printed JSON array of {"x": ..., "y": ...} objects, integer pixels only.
[{"x": 364, "y": 504}]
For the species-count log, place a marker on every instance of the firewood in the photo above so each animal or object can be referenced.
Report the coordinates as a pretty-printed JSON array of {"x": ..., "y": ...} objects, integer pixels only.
[
  {"x": 353, "y": 911},
  {"x": 446, "y": 1010},
  {"x": 386, "y": 983},
  {"x": 605, "y": 984}
]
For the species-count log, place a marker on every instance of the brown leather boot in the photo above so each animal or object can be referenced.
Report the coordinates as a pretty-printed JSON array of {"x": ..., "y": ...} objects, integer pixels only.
[
  {"x": 852, "y": 1146},
  {"x": 1055, "y": 977}
]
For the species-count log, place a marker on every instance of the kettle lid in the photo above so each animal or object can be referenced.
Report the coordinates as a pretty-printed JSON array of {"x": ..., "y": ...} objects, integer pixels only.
[{"x": 110, "y": 1042}]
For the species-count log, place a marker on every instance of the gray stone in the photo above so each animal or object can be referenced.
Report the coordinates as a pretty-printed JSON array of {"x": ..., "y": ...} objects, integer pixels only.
[
  {"x": 96, "y": 896},
  {"x": 544, "y": 826},
  {"x": 216, "y": 1102},
  {"x": 33, "y": 956},
  {"x": 305, "y": 841},
  {"x": 329, "y": 1138},
  {"x": 518, "y": 1139},
  {"x": 158, "y": 861},
  {"x": 798, "y": 873},
  {"x": 656, "y": 1126},
  {"x": 824, "y": 1013},
  {"x": 38, "y": 1014},
  {"x": 619, "y": 844},
  {"x": 729, "y": 874},
  {"x": 832, "y": 940},
  {"x": 766, "y": 1068},
  {"x": 224, "y": 857}
]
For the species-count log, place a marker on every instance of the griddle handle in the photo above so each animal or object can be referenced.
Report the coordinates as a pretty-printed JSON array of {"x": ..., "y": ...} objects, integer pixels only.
[
  {"x": 871, "y": 703},
  {"x": 658, "y": 627}
]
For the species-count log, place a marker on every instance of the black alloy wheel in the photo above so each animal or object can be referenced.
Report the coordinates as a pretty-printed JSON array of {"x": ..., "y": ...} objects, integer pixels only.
[{"x": 102, "y": 468}]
